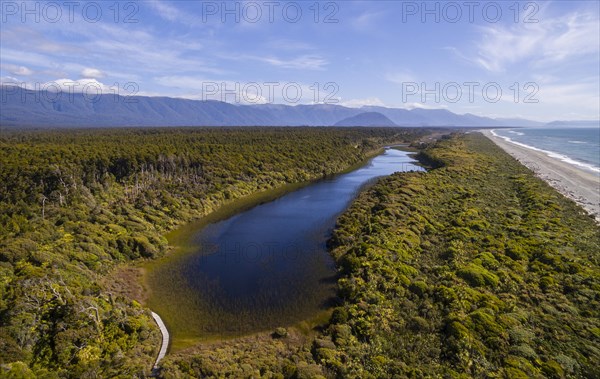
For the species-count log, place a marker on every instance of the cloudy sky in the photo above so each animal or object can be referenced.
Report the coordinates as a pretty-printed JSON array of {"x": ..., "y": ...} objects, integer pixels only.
[{"x": 537, "y": 60}]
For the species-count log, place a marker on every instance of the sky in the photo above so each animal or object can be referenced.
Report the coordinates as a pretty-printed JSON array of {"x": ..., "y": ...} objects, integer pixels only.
[{"x": 538, "y": 60}]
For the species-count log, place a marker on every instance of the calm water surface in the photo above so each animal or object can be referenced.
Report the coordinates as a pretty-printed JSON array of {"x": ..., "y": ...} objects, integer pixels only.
[{"x": 265, "y": 267}]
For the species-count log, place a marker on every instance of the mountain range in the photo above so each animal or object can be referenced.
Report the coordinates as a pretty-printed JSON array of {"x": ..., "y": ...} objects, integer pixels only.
[
  {"x": 366, "y": 119},
  {"x": 22, "y": 107}
]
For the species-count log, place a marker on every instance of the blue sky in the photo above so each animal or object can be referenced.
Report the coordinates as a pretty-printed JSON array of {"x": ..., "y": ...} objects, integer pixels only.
[{"x": 391, "y": 53}]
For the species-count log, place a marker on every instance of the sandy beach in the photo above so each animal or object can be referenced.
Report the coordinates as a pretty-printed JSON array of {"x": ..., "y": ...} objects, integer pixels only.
[{"x": 581, "y": 186}]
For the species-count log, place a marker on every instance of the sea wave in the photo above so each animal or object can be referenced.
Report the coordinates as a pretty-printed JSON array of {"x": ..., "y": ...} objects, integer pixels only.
[
  {"x": 517, "y": 133},
  {"x": 578, "y": 142},
  {"x": 551, "y": 154}
]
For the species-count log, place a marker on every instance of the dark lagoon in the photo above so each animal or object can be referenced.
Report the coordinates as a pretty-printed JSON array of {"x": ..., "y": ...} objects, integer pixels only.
[{"x": 264, "y": 267}]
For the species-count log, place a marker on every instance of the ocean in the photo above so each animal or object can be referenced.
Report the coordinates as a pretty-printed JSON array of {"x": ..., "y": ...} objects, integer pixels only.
[{"x": 577, "y": 146}]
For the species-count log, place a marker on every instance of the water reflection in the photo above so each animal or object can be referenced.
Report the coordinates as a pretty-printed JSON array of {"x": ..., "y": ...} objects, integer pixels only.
[{"x": 269, "y": 266}]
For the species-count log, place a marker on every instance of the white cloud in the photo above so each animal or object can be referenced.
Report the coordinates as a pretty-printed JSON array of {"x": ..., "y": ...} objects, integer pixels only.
[
  {"x": 92, "y": 73},
  {"x": 559, "y": 53},
  {"x": 243, "y": 92},
  {"x": 23, "y": 71},
  {"x": 288, "y": 44},
  {"x": 584, "y": 95},
  {"x": 582, "y": 36},
  {"x": 11, "y": 81},
  {"x": 139, "y": 51},
  {"x": 304, "y": 62},
  {"x": 220, "y": 90},
  {"x": 358, "y": 103},
  {"x": 167, "y": 11},
  {"x": 550, "y": 41},
  {"x": 28, "y": 39},
  {"x": 17, "y": 70},
  {"x": 555, "y": 97},
  {"x": 542, "y": 78},
  {"x": 366, "y": 20},
  {"x": 24, "y": 57},
  {"x": 88, "y": 86},
  {"x": 150, "y": 53},
  {"x": 424, "y": 106},
  {"x": 177, "y": 81}
]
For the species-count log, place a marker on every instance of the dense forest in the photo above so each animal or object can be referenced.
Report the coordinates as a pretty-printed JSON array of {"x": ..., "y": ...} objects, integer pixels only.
[
  {"x": 76, "y": 203},
  {"x": 474, "y": 269}
]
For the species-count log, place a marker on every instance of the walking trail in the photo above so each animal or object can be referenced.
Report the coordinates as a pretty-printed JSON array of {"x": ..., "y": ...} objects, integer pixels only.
[{"x": 165, "y": 339}]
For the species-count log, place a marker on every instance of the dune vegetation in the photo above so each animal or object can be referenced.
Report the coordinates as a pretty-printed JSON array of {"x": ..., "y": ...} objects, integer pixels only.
[
  {"x": 474, "y": 269},
  {"x": 76, "y": 203}
]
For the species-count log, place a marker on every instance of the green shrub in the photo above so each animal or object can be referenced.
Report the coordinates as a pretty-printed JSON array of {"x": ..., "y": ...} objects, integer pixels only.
[{"x": 478, "y": 276}]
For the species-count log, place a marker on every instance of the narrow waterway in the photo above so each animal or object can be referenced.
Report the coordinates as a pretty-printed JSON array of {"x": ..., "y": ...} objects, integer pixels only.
[{"x": 264, "y": 267}]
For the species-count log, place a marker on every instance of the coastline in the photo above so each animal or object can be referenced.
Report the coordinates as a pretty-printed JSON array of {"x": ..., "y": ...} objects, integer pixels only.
[{"x": 576, "y": 184}]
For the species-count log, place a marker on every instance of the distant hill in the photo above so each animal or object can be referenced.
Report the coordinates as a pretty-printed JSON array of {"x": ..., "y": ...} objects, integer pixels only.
[
  {"x": 519, "y": 122},
  {"x": 366, "y": 119},
  {"x": 20, "y": 107},
  {"x": 579, "y": 124}
]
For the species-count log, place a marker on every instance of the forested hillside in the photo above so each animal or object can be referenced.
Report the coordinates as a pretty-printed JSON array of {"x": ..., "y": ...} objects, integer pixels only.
[
  {"x": 473, "y": 269},
  {"x": 75, "y": 203},
  {"x": 22, "y": 107}
]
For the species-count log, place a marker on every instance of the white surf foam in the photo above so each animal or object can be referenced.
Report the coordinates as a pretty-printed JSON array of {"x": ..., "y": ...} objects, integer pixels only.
[{"x": 551, "y": 154}]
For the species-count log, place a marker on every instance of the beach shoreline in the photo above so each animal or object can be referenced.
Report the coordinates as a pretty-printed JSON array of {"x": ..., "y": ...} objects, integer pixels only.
[{"x": 579, "y": 185}]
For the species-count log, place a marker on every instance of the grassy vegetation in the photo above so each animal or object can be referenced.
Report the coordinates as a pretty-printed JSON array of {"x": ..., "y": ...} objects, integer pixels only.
[
  {"x": 474, "y": 269},
  {"x": 76, "y": 203}
]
